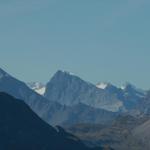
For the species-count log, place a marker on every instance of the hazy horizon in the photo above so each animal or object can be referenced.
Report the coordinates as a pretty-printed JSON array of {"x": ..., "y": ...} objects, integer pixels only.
[{"x": 96, "y": 40}]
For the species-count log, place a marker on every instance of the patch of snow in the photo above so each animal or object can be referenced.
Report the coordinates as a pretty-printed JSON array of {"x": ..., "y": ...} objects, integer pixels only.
[
  {"x": 102, "y": 85},
  {"x": 40, "y": 91},
  {"x": 37, "y": 87},
  {"x": 123, "y": 87}
]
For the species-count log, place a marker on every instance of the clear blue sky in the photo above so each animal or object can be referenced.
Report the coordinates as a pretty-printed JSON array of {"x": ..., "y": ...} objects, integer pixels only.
[{"x": 99, "y": 40}]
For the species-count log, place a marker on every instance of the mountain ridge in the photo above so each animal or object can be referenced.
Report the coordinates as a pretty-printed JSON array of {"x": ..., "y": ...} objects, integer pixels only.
[
  {"x": 52, "y": 112},
  {"x": 21, "y": 128},
  {"x": 68, "y": 89}
]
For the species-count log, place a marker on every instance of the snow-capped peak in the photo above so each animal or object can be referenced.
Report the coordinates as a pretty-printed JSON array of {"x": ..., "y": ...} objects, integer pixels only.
[
  {"x": 37, "y": 87},
  {"x": 102, "y": 85}
]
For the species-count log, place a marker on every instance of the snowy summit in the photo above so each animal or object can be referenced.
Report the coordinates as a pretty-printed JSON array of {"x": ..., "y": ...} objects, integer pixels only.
[
  {"x": 102, "y": 85},
  {"x": 37, "y": 87}
]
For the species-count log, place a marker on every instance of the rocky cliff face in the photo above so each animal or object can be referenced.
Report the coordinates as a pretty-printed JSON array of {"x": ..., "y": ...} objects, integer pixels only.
[{"x": 69, "y": 90}]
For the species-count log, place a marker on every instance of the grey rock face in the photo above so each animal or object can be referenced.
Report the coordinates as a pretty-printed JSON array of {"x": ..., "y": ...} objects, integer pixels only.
[
  {"x": 69, "y": 90},
  {"x": 80, "y": 113}
]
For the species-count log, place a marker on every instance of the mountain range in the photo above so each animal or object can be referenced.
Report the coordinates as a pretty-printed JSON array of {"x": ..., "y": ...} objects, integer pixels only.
[
  {"x": 49, "y": 110},
  {"x": 66, "y": 92},
  {"x": 69, "y": 89},
  {"x": 99, "y": 115},
  {"x": 22, "y": 129}
]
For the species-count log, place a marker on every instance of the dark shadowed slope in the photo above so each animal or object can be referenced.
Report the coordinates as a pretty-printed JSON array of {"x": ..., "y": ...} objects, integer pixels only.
[{"x": 22, "y": 129}]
